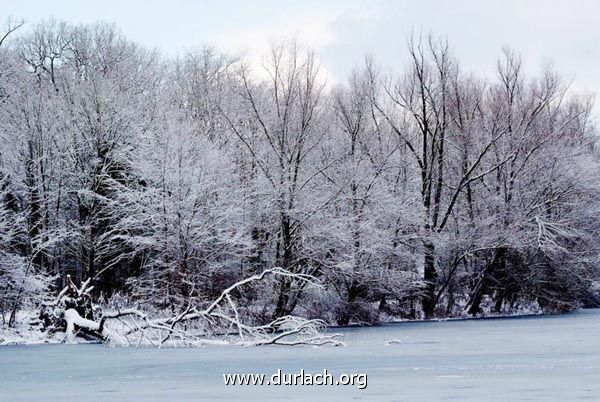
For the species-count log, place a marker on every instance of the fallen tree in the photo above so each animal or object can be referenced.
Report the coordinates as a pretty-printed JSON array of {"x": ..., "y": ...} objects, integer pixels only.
[{"x": 220, "y": 322}]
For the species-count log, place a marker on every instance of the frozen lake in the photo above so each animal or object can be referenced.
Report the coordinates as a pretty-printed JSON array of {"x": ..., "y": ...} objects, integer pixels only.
[{"x": 541, "y": 358}]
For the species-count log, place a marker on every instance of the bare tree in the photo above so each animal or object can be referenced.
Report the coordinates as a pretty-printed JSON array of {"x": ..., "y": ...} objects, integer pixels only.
[
  {"x": 280, "y": 126},
  {"x": 417, "y": 108}
]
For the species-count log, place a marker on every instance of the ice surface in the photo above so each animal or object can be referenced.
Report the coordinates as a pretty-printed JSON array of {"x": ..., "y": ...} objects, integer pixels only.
[{"x": 539, "y": 358}]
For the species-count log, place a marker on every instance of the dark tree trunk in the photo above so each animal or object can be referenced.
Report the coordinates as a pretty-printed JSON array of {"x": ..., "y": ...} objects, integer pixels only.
[
  {"x": 481, "y": 287},
  {"x": 285, "y": 301},
  {"x": 430, "y": 278}
]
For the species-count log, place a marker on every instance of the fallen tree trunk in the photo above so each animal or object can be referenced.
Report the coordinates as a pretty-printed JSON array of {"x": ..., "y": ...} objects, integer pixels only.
[{"x": 215, "y": 323}]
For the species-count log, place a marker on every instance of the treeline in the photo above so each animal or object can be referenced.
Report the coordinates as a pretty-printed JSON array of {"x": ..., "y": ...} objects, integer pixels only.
[{"x": 432, "y": 192}]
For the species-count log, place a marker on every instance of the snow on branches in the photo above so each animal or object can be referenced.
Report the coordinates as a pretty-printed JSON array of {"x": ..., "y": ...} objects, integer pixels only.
[{"x": 219, "y": 322}]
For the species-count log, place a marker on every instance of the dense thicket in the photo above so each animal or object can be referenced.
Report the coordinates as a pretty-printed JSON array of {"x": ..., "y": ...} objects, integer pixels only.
[{"x": 433, "y": 192}]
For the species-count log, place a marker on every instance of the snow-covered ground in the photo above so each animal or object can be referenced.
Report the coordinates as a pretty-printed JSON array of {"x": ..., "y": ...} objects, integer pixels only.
[{"x": 536, "y": 358}]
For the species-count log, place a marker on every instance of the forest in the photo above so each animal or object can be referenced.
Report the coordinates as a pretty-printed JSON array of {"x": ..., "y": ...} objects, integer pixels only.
[{"x": 210, "y": 192}]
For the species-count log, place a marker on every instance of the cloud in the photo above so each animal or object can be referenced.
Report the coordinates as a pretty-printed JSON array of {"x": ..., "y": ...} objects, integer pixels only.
[
  {"x": 316, "y": 30},
  {"x": 313, "y": 31}
]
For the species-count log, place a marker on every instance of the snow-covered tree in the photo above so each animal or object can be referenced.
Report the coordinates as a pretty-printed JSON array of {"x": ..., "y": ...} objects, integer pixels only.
[{"x": 131, "y": 178}]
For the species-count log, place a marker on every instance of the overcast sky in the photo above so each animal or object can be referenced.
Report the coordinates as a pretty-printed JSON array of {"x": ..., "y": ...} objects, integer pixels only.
[{"x": 566, "y": 33}]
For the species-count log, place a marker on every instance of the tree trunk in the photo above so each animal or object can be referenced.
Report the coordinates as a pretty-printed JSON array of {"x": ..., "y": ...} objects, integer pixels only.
[
  {"x": 430, "y": 278},
  {"x": 482, "y": 285}
]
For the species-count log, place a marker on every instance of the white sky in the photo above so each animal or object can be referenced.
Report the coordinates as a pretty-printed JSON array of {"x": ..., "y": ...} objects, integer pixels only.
[{"x": 566, "y": 33}]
